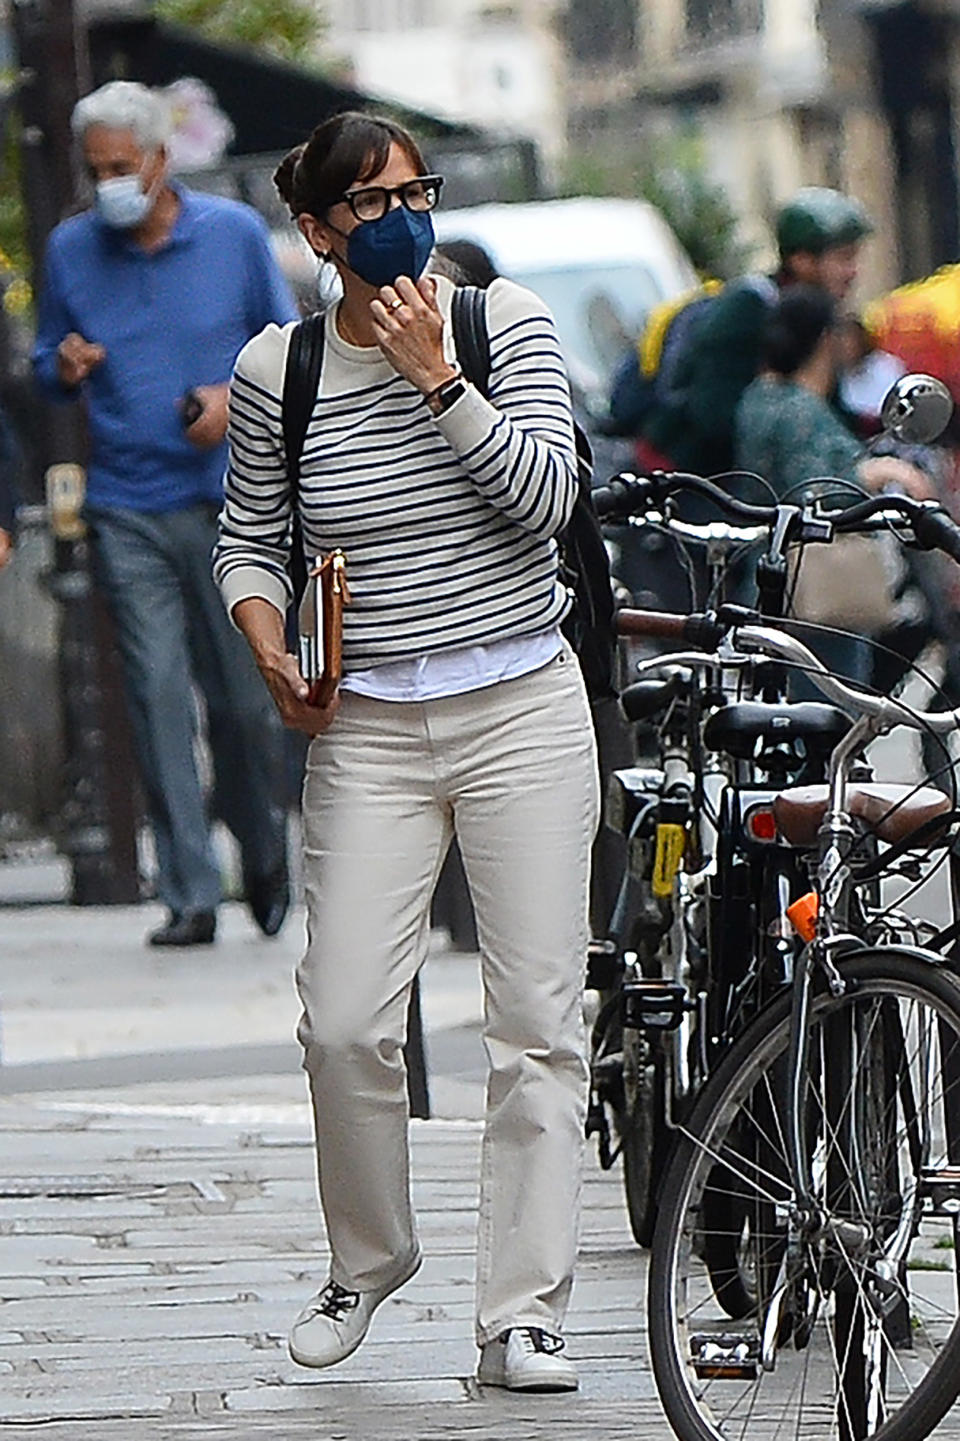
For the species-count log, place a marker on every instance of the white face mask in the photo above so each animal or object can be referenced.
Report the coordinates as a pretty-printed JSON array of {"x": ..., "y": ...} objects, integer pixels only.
[{"x": 122, "y": 202}]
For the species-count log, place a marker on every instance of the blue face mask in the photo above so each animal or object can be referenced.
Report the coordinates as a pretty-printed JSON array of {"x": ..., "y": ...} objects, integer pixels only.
[{"x": 399, "y": 243}]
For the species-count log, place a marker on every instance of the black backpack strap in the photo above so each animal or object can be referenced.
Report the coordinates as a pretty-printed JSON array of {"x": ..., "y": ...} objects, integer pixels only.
[
  {"x": 300, "y": 381},
  {"x": 471, "y": 338}
]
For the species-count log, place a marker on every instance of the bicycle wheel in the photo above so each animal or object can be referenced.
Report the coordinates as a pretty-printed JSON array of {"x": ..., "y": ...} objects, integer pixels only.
[{"x": 855, "y": 1330}]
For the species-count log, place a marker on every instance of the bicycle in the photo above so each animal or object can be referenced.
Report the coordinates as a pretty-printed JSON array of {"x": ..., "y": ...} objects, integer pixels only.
[
  {"x": 832, "y": 1124},
  {"x": 674, "y": 979}
]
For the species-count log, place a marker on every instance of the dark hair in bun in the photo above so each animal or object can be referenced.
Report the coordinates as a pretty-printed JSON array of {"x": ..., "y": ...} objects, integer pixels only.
[{"x": 343, "y": 150}]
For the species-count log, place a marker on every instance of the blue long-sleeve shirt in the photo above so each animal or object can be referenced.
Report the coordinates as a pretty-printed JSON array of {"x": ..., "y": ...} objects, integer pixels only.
[{"x": 168, "y": 319}]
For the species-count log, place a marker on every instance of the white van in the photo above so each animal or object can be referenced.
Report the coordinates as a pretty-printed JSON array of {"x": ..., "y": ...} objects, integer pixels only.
[{"x": 601, "y": 264}]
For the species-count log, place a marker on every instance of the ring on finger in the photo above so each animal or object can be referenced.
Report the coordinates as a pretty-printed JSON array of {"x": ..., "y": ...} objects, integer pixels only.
[{"x": 395, "y": 304}]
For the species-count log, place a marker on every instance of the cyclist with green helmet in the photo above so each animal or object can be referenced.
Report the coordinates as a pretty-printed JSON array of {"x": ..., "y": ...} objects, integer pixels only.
[{"x": 819, "y": 236}]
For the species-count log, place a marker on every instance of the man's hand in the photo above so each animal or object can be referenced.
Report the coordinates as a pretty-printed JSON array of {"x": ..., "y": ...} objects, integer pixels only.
[
  {"x": 879, "y": 471},
  {"x": 76, "y": 358},
  {"x": 210, "y": 426}
]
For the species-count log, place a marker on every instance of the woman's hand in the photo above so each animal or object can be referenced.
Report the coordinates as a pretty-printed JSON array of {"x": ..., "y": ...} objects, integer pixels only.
[
  {"x": 880, "y": 471},
  {"x": 262, "y": 625},
  {"x": 289, "y": 690},
  {"x": 408, "y": 328}
]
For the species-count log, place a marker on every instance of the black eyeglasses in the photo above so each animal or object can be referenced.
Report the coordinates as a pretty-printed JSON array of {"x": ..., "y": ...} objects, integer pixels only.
[{"x": 372, "y": 202}]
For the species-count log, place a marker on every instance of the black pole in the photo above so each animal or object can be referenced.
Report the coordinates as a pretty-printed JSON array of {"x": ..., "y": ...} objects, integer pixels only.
[{"x": 98, "y": 819}]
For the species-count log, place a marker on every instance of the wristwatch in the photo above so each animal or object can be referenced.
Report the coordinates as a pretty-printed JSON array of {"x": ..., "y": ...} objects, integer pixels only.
[{"x": 446, "y": 394}]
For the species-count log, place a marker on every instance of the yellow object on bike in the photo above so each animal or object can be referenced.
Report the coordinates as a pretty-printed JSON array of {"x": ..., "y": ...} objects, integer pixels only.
[{"x": 671, "y": 840}]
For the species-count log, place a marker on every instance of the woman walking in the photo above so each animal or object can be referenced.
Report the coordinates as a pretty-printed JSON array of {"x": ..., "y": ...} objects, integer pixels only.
[{"x": 461, "y": 711}]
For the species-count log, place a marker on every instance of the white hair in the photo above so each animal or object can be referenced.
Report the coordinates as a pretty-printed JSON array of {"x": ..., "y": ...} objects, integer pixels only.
[{"x": 125, "y": 105}]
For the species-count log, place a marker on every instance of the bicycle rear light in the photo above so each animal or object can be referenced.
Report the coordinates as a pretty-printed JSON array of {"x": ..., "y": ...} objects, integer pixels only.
[{"x": 760, "y": 825}]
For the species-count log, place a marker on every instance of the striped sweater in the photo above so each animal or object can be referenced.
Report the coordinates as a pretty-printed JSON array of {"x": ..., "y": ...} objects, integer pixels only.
[{"x": 447, "y": 523}]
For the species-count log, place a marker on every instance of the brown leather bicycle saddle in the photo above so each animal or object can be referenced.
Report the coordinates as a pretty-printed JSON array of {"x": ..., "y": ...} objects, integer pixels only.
[{"x": 892, "y": 812}]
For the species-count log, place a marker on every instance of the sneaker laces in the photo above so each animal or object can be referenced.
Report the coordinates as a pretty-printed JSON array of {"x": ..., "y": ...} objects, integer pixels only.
[
  {"x": 535, "y": 1341},
  {"x": 335, "y": 1301}
]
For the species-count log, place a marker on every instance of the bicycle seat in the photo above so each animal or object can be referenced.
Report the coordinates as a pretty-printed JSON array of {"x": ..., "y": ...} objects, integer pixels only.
[
  {"x": 892, "y": 812},
  {"x": 736, "y": 728}
]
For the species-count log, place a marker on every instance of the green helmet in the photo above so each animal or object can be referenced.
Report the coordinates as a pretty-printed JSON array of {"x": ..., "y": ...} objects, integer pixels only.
[{"x": 817, "y": 219}]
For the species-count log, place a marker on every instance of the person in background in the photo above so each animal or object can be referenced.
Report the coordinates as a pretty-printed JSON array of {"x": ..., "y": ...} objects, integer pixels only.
[
  {"x": 787, "y": 431},
  {"x": 462, "y": 711},
  {"x": 147, "y": 299},
  {"x": 866, "y": 374},
  {"x": 785, "y": 428},
  {"x": 470, "y": 263},
  {"x": 819, "y": 238}
]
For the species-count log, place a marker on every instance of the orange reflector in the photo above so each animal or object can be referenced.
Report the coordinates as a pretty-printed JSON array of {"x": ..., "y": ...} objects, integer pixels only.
[
  {"x": 760, "y": 824},
  {"x": 802, "y": 915}
]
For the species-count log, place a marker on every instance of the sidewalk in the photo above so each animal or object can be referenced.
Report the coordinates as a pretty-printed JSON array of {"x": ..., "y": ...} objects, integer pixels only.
[{"x": 160, "y": 1225}]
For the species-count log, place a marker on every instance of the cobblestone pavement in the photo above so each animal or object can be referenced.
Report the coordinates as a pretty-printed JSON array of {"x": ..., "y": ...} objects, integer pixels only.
[
  {"x": 159, "y": 1225},
  {"x": 155, "y": 1248}
]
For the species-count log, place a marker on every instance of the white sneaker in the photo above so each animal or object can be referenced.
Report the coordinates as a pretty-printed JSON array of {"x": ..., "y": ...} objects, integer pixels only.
[
  {"x": 526, "y": 1358},
  {"x": 332, "y": 1325}
]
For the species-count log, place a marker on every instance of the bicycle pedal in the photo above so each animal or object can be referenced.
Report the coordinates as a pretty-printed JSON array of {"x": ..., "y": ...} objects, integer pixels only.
[
  {"x": 653, "y": 1005},
  {"x": 725, "y": 1357}
]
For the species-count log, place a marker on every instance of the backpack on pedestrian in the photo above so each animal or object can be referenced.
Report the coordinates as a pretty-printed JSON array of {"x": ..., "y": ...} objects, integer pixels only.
[
  {"x": 697, "y": 370},
  {"x": 646, "y": 378},
  {"x": 584, "y": 561}
]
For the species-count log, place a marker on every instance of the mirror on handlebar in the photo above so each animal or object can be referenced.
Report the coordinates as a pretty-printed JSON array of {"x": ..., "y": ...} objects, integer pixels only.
[{"x": 916, "y": 409}]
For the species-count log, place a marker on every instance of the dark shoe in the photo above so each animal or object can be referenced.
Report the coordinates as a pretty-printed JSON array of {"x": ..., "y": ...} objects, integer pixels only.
[
  {"x": 269, "y": 899},
  {"x": 191, "y": 928}
]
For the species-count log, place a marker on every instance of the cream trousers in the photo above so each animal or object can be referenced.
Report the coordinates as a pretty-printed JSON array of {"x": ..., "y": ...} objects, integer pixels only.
[{"x": 512, "y": 770}]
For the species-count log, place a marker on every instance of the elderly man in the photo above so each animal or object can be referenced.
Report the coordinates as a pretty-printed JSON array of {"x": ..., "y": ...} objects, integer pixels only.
[{"x": 147, "y": 299}]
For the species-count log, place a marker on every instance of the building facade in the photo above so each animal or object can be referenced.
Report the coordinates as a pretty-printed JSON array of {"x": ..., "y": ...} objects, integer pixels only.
[
  {"x": 490, "y": 63},
  {"x": 858, "y": 94},
  {"x": 861, "y": 95}
]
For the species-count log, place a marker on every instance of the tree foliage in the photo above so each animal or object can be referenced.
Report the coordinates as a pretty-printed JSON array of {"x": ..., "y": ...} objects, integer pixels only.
[
  {"x": 671, "y": 172},
  {"x": 289, "y": 29}
]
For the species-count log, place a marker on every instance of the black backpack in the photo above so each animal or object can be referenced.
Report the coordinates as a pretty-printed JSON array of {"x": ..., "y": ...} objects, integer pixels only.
[{"x": 584, "y": 562}]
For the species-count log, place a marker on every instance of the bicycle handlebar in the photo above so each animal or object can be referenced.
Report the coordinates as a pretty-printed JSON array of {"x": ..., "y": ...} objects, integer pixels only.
[
  {"x": 627, "y": 495},
  {"x": 702, "y": 630},
  {"x": 630, "y": 496},
  {"x": 746, "y": 640}
]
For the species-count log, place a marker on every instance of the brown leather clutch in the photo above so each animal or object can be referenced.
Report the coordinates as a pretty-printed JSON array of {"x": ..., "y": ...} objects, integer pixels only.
[{"x": 320, "y": 623}]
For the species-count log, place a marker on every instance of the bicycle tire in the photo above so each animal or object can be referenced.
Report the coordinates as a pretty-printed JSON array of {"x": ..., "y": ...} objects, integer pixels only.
[
  {"x": 710, "y": 1378},
  {"x": 642, "y": 1137}
]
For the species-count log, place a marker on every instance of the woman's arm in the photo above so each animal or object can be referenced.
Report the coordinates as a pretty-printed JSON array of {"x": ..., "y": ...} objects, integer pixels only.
[
  {"x": 252, "y": 554},
  {"x": 517, "y": 446}
]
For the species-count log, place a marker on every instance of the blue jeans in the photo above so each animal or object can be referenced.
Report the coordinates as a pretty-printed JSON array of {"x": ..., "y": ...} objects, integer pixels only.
[{"x": 172, "y": 629}]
